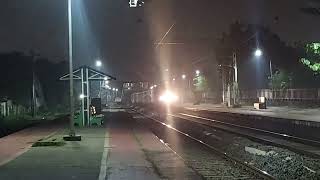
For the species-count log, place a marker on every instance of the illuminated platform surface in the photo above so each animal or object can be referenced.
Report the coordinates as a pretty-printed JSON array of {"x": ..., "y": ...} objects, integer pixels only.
[{"x": 116, "y": 151}]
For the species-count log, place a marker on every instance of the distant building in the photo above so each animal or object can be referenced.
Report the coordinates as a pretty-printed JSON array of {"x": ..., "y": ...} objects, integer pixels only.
[
  {"x": 132, "y": 87},
  {"x": 136, "y": 86}
]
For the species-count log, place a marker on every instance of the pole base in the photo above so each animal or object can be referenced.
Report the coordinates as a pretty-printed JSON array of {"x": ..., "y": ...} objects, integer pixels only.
[{"x": 72, "y": 138}]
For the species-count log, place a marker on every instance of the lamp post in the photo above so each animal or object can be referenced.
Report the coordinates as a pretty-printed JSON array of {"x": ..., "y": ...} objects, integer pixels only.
[
  {"x": 258, "y": 53},
  {"x": 72, "y": 130},
  {"x": 98, "y": 65}
]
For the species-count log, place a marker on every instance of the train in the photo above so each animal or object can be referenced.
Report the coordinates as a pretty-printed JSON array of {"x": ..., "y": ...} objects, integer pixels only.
[{"x": 155, "y": 95}]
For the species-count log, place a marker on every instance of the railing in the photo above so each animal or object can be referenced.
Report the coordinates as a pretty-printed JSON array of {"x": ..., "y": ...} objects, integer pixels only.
[{"x": 285, "y": 94}]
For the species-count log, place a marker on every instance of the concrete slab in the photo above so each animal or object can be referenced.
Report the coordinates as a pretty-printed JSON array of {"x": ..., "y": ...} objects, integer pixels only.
[
  {"x": 168, "y": 164},
  {"x": 75, "y": 160},
  {"x": 15, "y": 144},
  {"x": 126, "y": 160}
]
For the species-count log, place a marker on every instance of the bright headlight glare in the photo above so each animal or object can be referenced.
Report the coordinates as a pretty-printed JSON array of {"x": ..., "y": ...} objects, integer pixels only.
[{"x": 168, "y": 97}]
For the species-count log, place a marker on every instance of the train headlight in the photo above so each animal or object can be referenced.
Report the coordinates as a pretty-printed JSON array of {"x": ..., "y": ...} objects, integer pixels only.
[{"x": 168, "y": 97}]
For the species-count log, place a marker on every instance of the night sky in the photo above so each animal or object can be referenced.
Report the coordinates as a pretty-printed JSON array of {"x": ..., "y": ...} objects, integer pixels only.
[{"x": 124, "y": 37}]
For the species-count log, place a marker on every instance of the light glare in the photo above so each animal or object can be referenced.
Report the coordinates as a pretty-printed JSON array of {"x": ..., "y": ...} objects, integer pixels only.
[
  {"x": 98, "y": 63},
  {"x": 258, "y": 53},
  {"x": 81, "y": 96},
  {"x": 168, "y": 97}
]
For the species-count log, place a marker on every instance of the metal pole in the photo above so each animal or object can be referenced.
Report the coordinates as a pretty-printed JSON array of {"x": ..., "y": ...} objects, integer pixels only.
[
  {"x": 72, "y": 130},
  {"x": 223, "y": 86},
  {"x": 82, "y": 100},
  {"x": 33, "y": 90},
  {"x": 235, "y": 67},
  {"x": 235, "y": 85},
  {"x": 270, "y": 68},
  {"x": 88, "y": 97}
]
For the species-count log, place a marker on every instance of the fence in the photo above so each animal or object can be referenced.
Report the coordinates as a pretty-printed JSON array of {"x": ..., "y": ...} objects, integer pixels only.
[
  {"x": 283, "y": 94},
  {"x": 8, "y": 108},
  {"x": 273, "y": 95}
]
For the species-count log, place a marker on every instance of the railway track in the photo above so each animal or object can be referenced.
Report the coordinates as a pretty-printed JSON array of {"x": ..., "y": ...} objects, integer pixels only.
[
  {"x": 292, "y": 143},
  {"x": 201, "y": 159}
]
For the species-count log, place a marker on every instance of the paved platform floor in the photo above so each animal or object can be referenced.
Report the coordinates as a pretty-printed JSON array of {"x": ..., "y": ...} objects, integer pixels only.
[
  {"x": 14, "y": 145},
  {"x": 123, "y": 149},
  {"x": 295, "y": 113}
]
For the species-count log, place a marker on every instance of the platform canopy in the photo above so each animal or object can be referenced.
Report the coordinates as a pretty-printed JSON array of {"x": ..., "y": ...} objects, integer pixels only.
[
  {"x": 85, "y": 74},
  {"x": 93, "y": 75}
]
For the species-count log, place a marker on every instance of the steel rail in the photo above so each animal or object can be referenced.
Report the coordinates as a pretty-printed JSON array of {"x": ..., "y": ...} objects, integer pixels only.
[{"x": 224, "y": 155}]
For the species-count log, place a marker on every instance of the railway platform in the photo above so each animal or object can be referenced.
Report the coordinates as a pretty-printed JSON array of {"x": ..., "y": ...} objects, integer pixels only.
[
  {"x": 286, "y": 121},
  {"x": 122, "y": 149},
  {"x": 284, "y": 112}
]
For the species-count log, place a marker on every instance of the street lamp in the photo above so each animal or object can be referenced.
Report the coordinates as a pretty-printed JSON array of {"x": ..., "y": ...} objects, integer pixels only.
[
  {"x": 72, "y": 130},
  {"x": 81, "y": 96},
  {"x": 197, "y": 72},
  {"x": 72, "y": 134},
  {"x": 258, "y": 53},
  {"x": 98, "y": 63}
]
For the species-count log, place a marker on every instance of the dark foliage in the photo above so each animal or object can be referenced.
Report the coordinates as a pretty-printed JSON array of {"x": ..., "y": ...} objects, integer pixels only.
[
  {"x": 16, "y": 79},
  {"x": 254, "y": 72}
]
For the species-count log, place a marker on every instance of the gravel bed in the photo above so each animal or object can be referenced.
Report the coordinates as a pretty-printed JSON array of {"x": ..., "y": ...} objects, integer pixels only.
[
  {"x": 279, "y": 162},
  {"x": 200, "y": 158}
]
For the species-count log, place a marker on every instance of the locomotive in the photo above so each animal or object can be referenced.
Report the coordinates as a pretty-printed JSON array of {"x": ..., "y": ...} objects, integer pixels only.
[{"x": 155, "y": 95}]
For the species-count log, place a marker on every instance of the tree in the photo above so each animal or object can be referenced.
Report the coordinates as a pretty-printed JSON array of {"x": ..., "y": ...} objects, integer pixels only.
[
  {"x": 312, "y": 57},
  {"x": 281, "y": 80},
  {"x": 253, "y": 72},
  {"x": 200, "y": 83}
]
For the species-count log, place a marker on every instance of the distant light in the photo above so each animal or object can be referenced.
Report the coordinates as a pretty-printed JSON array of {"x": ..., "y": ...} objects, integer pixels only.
[
  {"x": 129, "y": 88},
  {"x": 98, "y": 63},
  {"x": 133, "y": 3},
  {"x": 151, "y": 87},
  {"x": 258, "y": 53},
  {"x": 197, "y": 72},
  {"x": 173, "y": 79},
  {"x": 117, "y": 89},
  {"x": 113, "y": 89},
  {"x": 168, "y": 97},
  {"x": 107, "y": 82},
  {"x": 184, "y": 76},
  {"x": 82, "y": 96},
  {"x": 105, "y": 78},
  {"x": 155, "y": 86},
  {"x": 166, "y": 70}
]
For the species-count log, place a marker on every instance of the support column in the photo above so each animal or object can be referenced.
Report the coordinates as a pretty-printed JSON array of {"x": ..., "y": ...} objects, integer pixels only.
[
  {"x": 88, "y": 96},
  {"x": 82, "y": 100}
]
